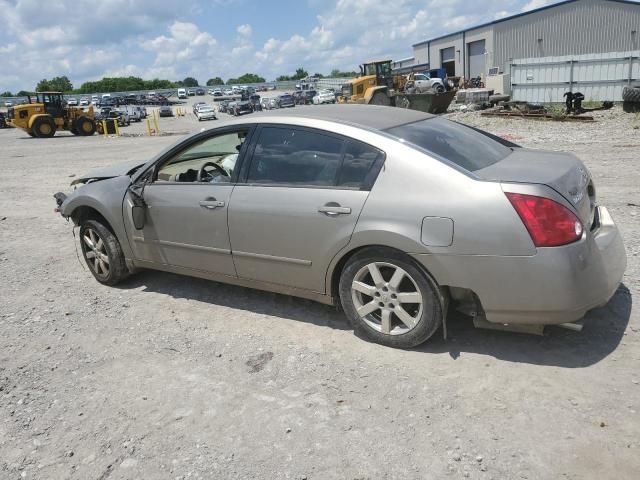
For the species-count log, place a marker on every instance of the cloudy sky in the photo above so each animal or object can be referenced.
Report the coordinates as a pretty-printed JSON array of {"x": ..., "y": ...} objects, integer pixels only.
[{"x": 89, "y": 39}]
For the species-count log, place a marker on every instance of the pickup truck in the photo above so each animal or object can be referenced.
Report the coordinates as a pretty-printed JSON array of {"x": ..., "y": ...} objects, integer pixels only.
[{"x": 434, "y": 80}]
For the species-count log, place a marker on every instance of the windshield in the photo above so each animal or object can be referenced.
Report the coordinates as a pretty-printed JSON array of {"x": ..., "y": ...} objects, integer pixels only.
[{"x": 467, "y": 148}]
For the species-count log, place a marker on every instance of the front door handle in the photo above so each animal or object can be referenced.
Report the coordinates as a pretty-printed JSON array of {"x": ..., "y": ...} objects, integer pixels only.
[
  {"x": 211, "y": 203},
  {"x": 334, "y": 209}
]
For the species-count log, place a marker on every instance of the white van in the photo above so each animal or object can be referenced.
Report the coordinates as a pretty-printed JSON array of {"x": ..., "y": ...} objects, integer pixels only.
[{"x": 182, "y": 93}]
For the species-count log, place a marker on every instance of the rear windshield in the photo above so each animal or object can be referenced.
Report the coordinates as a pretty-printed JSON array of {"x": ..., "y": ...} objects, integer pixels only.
[{"x": 454, "y": 142}]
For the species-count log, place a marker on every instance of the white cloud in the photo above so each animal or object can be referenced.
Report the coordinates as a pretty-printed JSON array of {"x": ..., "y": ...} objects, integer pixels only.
[{"x": 86, "y": 40}]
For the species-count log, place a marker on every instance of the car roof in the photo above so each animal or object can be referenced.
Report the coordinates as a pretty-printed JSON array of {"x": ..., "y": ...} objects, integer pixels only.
[{"x": 368, "y": 116}]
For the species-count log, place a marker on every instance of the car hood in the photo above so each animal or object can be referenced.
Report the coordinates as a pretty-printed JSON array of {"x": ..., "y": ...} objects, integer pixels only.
[{"x": 111, "y": 171}]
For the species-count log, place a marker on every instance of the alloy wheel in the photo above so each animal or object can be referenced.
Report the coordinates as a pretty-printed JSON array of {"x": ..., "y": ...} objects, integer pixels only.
[
  {"x": 387, "y": 298},
  {"x": 95, "y": 252}
]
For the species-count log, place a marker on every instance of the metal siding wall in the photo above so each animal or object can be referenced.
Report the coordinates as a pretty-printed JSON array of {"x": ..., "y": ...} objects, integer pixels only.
[
  {"x": 582, "y": 27},
  {"x": 599, "y": 76}
]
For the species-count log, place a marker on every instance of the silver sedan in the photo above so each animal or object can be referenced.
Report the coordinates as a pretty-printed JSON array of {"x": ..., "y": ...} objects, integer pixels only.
[{"x": 394, "y": 214}]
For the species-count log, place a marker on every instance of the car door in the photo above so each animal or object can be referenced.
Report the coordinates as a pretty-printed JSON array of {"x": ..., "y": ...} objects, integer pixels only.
[
  {"x": 299, "y": 205},
  {"x": 187, "y": 202}
]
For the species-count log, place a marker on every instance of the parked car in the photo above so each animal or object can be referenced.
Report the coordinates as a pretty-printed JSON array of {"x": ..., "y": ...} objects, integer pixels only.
[
  {"x": 95, "y": 99},
  {"x": 196, "y": 105},
  {"x": 191, "y": 92},
  {"x": 285, "y": 101},
  {"x": 206, "y": 112},
  {"x": 373, "y": 227},
  {"x": 123, "y": 116},
  {"x": 200, "y": 91},
  {"x": 136, "y": 112},
  {"x": 268, "y": 103},
  {"x": 324, "y": 96},
  {"x": 297, "y": 96},
  {"x": 166, "y": 111},
  {"x": 241, "y": 107},
  {"x": 8, "y": 103},
  {"x": 84, "y": 101},
  {"x": 72, "y": 102},
  {"x": 254, "y": 100},
  {"x": 182, "y": 93},
  {"x": 224, "y": 106},
  {"x": 3, "y": 120}
]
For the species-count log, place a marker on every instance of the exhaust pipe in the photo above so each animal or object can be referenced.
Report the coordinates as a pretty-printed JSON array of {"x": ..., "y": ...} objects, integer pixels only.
[{"x": 576, "y": 327}]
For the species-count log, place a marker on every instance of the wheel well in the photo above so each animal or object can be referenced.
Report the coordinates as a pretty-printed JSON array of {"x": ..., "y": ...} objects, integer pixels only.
[
  {"x": 337, "y": 271},
  {"x": 82, "y": 214}
]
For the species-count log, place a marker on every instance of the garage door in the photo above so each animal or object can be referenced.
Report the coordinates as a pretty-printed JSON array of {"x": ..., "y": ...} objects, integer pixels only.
[
  {"x": 448, "y": 60},
  {"x": 477, "y": 59}
]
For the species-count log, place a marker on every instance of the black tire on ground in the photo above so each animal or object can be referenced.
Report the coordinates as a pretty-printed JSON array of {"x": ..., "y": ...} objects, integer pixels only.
[
  {"x": 631, "y": 107},
  {"x": 44, "y": 127},
  {"x": 84, "y": 126},
  {"x": 31, "y": 134},
  {"x": 631, "y": 94},
  {"x": 439, "y": 88},
  {"x": 380, "y": 98},
  {"x": 430, "y": 318},
  {"x": 95, "y": 234}
]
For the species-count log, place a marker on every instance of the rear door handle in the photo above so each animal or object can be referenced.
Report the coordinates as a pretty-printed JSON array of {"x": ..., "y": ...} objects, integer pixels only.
[
  {"x": 334, "y": 210},
  {"x": 211, "y": 203}
]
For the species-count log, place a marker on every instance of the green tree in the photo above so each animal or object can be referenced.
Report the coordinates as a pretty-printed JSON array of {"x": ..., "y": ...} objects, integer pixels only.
[
  {"x": 335, "y": 73},
  {"x": 190, "y": 82},
  {"x": 300, "y": 74},
  {"x": 56, "y": 84},
  {"x": 23, "y": 93},
  {"x": 318, "y": 75},
  {"x": 246, "y": 78},
  {"x": 124, "y": 84},
  {"x": 215, "y": 81},
  {"x": 283, "y": 78},
  {"x": 6, "y": 94}
]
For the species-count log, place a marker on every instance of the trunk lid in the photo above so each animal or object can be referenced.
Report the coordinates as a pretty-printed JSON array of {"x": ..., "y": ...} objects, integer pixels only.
[{"x": 563, "y": 172}]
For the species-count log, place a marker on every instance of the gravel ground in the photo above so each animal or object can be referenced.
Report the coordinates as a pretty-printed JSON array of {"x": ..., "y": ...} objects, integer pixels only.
[{"x": 168, "y": 377}]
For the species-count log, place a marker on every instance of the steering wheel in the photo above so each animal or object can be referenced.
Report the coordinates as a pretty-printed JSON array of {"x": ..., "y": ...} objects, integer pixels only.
[{"x": 202, "y": 172}]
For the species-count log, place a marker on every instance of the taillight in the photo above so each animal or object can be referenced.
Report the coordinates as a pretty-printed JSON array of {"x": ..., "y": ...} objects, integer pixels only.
[{"x": 549, "y": 223}]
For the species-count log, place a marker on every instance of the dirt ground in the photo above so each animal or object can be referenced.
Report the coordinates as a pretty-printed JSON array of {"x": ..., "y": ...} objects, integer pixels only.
[{"x": 166, "y": 377}]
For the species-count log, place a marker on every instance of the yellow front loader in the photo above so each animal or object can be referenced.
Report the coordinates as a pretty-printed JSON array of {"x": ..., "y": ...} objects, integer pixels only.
[
  {"x": 374, "y": 85},
  {"x": 47, "y": 113}
]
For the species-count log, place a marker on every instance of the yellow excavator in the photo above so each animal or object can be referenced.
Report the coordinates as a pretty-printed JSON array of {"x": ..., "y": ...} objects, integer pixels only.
[
  {"x": 374, "y": 85},
  {"x": 47, "y": 113}
]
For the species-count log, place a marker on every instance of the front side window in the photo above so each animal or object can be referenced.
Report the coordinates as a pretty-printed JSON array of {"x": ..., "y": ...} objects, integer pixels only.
[
  {"x": 454, "y": 142},
  {"x": 295, "y": 157},
  {"x": 212, "y": 160}
]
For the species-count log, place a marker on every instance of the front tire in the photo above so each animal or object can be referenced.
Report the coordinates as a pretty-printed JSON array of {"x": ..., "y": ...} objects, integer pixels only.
[
  {"x": 85, "y": 126},
  {"x": 103, "y": 253},
  {"x": 388, "y": 299},
  {"x": 44, "y": 127},
  {"x": 380, "y": 98}
]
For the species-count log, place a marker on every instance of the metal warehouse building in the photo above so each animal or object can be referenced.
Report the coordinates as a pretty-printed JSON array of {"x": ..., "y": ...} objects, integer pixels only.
[{"x": 572, "y": 27}]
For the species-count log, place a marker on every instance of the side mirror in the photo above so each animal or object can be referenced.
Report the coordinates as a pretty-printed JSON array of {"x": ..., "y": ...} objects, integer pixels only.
[
  {"x": 139, "y": 209},
  {"x": 138, "y": 213}
]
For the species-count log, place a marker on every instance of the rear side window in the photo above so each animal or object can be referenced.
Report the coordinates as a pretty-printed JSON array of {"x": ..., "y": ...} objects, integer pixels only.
[
  {"x": 288, "y": 156},
  {"x": 359, "y": 165},
  {"x": 295, "y": 157},
  {"x": 454, "y": 142}
]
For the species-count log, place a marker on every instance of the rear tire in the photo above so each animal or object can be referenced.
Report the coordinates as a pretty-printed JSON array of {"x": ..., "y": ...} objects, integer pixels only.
[
  {"x": 102, "y": 252},
  {"x": 399, "y": 306},
  {"x": 631, "y": 107},
  {"x": 85, "y": 126},
  {"x": 631, "y": 94},
  {"x": 44, "y": 127},
  {"x": 439, "y": 88},
  {"x": 380, "y": 98}
]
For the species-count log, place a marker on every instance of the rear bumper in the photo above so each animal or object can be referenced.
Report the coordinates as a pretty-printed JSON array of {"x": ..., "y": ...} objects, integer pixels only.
[{"x": 556, "y": 285}]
